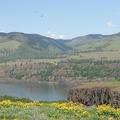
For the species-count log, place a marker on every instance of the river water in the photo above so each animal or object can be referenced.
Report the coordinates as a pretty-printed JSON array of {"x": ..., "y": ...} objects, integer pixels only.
[{"x": 35, "y": 92}]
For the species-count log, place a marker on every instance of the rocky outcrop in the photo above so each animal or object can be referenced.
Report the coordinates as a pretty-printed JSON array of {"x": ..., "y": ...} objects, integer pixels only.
[{"x": 95, "y": 96}]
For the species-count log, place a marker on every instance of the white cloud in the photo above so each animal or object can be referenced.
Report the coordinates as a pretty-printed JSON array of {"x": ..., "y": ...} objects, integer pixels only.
[
  {"x": 54, "y": 35},
  {"x": 2, "y": 31},
  {"x": 49, "y": 32},
  {"x": 61, "y": 36},
  {"x": 110, "y": 24}
]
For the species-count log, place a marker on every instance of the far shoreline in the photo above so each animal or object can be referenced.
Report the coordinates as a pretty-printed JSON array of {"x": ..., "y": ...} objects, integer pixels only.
[
  {"x": 61, "y": 82},
  {"x": 14, "y": 80}
]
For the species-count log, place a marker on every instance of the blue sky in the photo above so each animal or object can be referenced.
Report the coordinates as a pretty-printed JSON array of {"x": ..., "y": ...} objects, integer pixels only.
[{"x": 60, "y": 18}]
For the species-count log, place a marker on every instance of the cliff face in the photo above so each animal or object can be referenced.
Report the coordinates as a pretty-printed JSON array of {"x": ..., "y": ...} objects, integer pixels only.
[{"x": 95, "y": 96}]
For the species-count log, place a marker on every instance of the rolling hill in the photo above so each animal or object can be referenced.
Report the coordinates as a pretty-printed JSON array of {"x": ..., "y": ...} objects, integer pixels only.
[
  {"x": 95, "y": 46},
  {"x": 17, "y": 45},
  {"x": 98, "y": 39}
]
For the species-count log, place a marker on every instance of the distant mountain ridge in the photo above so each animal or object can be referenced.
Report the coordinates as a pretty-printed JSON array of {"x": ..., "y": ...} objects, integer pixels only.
[
  {"x": 30, "y": 46},
  {"x": 33, "y": 39},
  {"x": 16, "y": 45},
  {"x": 91, "y": 38}
]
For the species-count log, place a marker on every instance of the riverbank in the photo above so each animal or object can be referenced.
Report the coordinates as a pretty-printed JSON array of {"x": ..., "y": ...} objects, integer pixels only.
[
  {"x": 62, "y": 81},
  {"x": 14, "y": 80}
]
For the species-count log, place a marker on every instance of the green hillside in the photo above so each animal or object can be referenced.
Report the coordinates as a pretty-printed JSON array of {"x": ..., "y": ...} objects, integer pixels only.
[
  {"x": 93, "y": 38},
  {"x": 13, "y": 44},
  {"x": 78, "y": 41},
  {"x": 95, "y": 46},
  {"x": 17, "y": 45},
  {"x": 113, "y": 45},
  {"x": 26, "y": 52}
]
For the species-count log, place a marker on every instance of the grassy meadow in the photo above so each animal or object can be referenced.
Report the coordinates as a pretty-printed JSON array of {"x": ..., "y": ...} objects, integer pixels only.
[
  {"x": 32, "y": 61},
  {"x": 97, "y": 56},
  {"x": 14, "y": 109}
]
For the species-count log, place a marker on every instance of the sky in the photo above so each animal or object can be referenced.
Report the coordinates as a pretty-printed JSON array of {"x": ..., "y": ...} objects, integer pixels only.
[{"x": 60, "y": 19}]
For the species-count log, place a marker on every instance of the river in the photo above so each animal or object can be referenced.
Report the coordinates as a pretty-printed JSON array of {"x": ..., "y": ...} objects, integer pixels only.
[{"x": 35, "y": 92}]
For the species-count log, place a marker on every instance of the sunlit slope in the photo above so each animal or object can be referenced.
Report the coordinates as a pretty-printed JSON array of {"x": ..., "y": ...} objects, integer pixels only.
[
  {"x": 95, "y": 46},
  {"x": 89, "y": 40},
  {"x": 113, "y": 45},
  {"x": 9, "y": 47},
  {"x": 16, "y": 45},
  {"x": 13, "y": 44}
]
